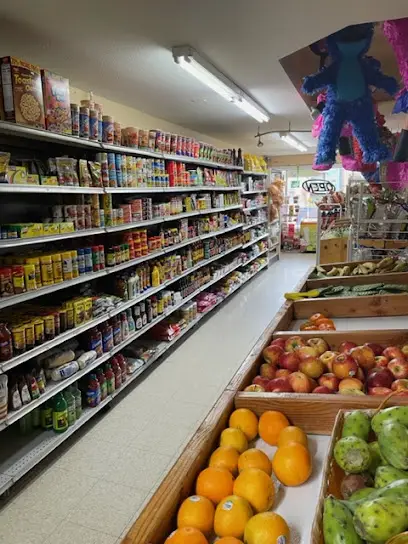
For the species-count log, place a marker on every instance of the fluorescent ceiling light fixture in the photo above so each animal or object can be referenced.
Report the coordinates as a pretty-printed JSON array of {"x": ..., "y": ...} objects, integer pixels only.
[
  {"x": 188, "y": 59},
  {"x": 293, "y": 141}
]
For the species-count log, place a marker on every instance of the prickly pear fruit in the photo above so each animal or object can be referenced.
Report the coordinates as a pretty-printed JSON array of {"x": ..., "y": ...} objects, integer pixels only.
[
  {"x": 376, "y": 458},
  {"x": 362, "y": 493},
  {"x": 397, "y": 414},
  {"x": 397, "y": 489},
  {"x": 385, "y": 475},
  {"x": 378, "y": 520},
  {"x": 358, "y": 424},
  {"x": 352, "y": 454},
  {"x": 338, "y": 523},
  {"x": 393, "y": 442}
]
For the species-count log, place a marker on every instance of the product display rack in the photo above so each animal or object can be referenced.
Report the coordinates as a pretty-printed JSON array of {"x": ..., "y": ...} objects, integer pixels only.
[
  {"x": 255, "y": 186},
  {"x": 38, "y": 445}
]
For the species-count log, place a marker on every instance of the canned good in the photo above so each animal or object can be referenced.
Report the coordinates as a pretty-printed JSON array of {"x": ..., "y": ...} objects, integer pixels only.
[
  {"x": 18, "y": 279},
  {"x": 118, "y": 165},
  {"x": 39, "y": 332},
  {"x": 98, "y": 107},
  {"x": 29, "y": 277},
  {"x": 132, "y": 136},
  {"x": 49, "y": 326},
  {"x": 67, "y": 265},
  {"x": 152, "y": 139},
  {"x": 143, "y": 139},
  {"x": 173, "y": 143},
  {"x": 167, "y": 142},
  {"x": 159, "y": 141},
  {"x": 75, "y": 119},
  {"x": 93, "y": 125},
  {"x": 95, "y": 258},
  {"x": 84, "y": 122},
  {"x": 117, "y": 133},
  {"x": 19, "y": 342},
  {"x": 81, "y": 261},
  {"x": 101, "y": 256},
  {"x": 29, "y": 335},
  {"x": 63, "y": 320},
  {"x": 112, "y": 169},
  {"x": 111, "y": 257},
  {"x": 107, "y": 129},
  {"x": 75, "y": 266}
]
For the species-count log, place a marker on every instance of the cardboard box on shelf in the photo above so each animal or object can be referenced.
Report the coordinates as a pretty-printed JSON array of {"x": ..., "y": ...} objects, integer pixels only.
[
  {"x": 56, "y": 102},
  {"x": 22, "y": 92}
]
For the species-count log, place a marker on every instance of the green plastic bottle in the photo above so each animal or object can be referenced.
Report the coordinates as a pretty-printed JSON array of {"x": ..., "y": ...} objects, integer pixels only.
[
  {"x": 70, "y": 400},
  {"x": 60, "y": 414},
  {"x": 46, "y": 415}
]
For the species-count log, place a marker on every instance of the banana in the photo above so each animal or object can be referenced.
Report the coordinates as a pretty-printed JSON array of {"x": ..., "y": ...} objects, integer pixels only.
[
  {"x": 387, "y": 261},
  {"x": 333, "y": 272}
]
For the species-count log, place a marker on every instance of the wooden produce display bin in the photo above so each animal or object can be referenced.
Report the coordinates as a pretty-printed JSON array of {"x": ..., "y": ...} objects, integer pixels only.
[
  {"x": 386, "y": 277},
  {"x": 333, "y": 249},
  {"x": 332, "y": 476}
]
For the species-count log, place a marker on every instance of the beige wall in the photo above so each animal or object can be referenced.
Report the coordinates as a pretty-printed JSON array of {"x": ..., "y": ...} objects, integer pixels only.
[
  {"x": 132, "y": 117},
  {"x": 291, "y": 160}
]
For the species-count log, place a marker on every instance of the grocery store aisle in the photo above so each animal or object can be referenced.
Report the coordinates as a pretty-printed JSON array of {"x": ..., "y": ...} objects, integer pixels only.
[{"x": 92, "y": 489}]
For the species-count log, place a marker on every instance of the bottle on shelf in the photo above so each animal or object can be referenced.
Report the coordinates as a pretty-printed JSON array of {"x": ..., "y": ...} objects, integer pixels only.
[{"x": 60, "y": 414}]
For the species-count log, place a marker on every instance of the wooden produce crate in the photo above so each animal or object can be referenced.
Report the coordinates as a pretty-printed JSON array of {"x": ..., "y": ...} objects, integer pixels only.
[
  {"x": 331, "y": 478},
  {"x": 299, "y": 406},
  {"x": 386, "y": 277},
  {"x": 158, "y": 518},
  {"x": 333, "y": 249}
]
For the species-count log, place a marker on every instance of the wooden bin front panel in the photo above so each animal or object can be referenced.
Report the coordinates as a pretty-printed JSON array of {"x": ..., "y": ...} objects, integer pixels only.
[
  {"x": 364, "y": 306},
  {"x": 391, "y": 277}
]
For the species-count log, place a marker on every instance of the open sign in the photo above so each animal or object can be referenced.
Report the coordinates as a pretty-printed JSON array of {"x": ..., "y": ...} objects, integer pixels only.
[{"x": 318, "y": 186}]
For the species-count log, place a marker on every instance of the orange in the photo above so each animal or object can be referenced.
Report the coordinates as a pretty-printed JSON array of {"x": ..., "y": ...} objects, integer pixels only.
[
  {"x": 228, "y": 540},
  {"x": 292, "y": 464},
  {"x": 187, "y": 535},
  {"x": 231, "y": 516},
  {"x": 215, "y": 484},
  {"x": 292, "y": 434},
  {"x": 271, "y": 424},
  {"x": 256, "y": 487},
  {"x": 225, "y": 457},
  {"x": 235, "y": 438},
  {"x": 245, "y": 420},
  {"x": 196, "y": 512},
  {"x": 267, "y": 528},
  {"x": 254, "y": 458}
]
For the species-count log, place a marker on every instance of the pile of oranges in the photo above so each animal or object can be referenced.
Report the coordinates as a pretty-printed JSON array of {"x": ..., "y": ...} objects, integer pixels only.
[
  {"x": 318, "y": 322},
  {"x": 235, "y": 493}
]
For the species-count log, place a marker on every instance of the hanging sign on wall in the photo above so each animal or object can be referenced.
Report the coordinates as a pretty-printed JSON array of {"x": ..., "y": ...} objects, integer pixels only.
[{"x": 318, "y": 186}]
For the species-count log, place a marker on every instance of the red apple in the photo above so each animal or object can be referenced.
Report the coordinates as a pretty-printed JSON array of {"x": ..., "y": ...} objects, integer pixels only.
[
  {"x": 344, "y": 366},
  {"x": 279, "y": 385},
  {"x": 262, "y": 381},
  {"x": 271, "y": 354},
  {"x": 319, "y": 345},
  {"x": 254, "y": 389},
  {"x": 282, "y": 373},
  {"x": 329, "y": 380},
  {"x": 404, "y": 350},
  {"x": 399, "y": 385},
  {"x": 381, "y": 361},
  {"x": 380, "y": 391},
  {"x": 379, "y": 377},
  {"x": 392, "y": 352},
  {"x": 300, "y": 382},
  {"x": 278, "y": 342},
  {"x": 376, "y": 348},
  {"x": 305, "y": 352},
  {"x": 267, "y": 371},
  {"x": 312, "y": 367},
  {"x": 364, "y": 356},
  {"x": 346, "y": 347},
  {"x": 293, "y": 343},
  {"x": 351, "y": 383},
  {"x": 290, "y": 361},
  {"x": 399, "y": 367},
  {"x": 323, "y": 390}
]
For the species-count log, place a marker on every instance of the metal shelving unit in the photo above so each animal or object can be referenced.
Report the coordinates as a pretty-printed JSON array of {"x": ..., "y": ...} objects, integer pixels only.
[{"x": 39, "y": 445}]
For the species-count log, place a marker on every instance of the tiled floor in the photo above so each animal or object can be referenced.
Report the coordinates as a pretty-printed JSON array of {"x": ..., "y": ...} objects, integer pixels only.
[{"x": 93, "y": 489}]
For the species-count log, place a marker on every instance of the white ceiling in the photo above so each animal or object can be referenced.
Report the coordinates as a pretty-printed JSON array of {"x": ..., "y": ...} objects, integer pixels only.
[{"x": 122, "y": 50}]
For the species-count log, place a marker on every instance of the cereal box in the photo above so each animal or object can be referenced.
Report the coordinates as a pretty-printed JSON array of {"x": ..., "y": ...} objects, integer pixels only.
[
  {"x": 22, "y": 92},
  {"x": 56, "y": 102}
]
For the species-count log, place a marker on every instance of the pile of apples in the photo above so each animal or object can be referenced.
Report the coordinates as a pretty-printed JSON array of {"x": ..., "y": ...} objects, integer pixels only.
[{"x": 309, "y": 366}]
